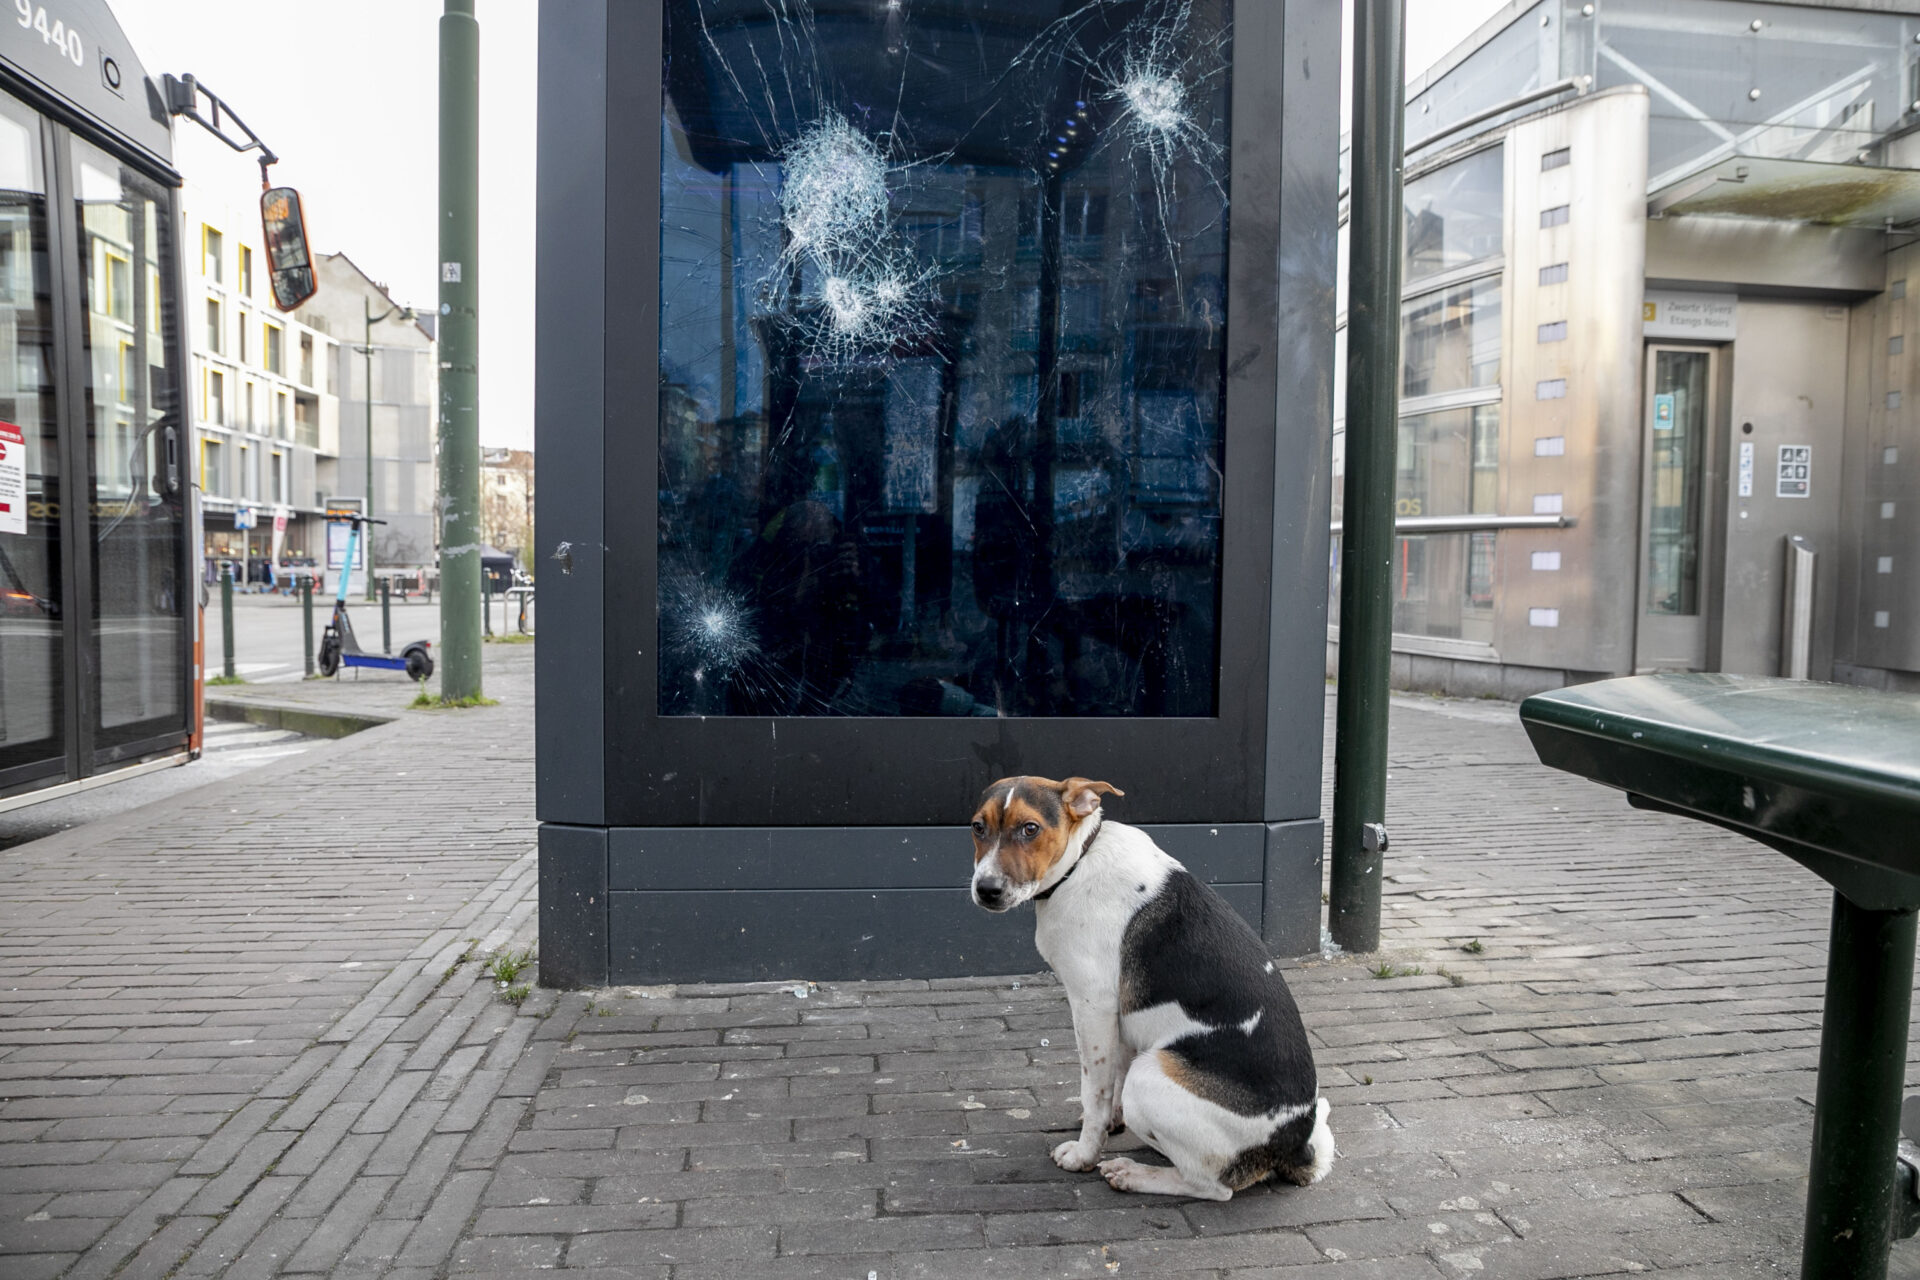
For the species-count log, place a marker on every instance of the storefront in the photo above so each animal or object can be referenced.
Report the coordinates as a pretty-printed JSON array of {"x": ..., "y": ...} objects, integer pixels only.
[
  {"x": 962, "y": 411},
  {"x": 96, "y": 581},
  {"x": 1654, "y": 326}
]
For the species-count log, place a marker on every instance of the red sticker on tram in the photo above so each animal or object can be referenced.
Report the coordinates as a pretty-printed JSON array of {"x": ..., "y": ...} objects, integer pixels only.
[{"x": 13, "y": 479}]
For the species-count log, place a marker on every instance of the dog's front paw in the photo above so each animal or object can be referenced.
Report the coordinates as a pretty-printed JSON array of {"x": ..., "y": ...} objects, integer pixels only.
[
  {"x": 1123, "y": 1174},
  {"x": 1075, "y": 1156}
]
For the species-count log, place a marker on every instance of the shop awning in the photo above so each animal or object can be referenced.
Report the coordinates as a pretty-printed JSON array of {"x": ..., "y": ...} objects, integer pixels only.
[{"x": 1840, "y": 195}]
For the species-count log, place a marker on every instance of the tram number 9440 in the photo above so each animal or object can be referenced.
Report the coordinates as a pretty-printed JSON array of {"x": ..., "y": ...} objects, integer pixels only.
[{"x": 57, "y": 33}]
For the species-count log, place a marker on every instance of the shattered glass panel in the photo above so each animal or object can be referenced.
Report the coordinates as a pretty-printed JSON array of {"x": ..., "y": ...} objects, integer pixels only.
[{"x": 943, "y": 315}]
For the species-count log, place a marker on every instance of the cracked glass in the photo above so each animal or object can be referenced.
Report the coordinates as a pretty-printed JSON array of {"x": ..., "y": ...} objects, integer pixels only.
[{"x": 942, "y": 323}]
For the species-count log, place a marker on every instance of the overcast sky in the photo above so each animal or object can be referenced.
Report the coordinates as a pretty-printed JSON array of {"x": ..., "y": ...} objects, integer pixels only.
[{"x": 346, "y": 92}]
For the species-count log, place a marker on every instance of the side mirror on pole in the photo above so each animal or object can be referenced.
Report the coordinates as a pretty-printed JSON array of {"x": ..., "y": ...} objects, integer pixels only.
[{"x": 283, "y": 224}]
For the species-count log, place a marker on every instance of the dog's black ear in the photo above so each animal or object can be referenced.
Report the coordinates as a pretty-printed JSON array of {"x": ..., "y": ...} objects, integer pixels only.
[{"x": 1083, "y": 795}]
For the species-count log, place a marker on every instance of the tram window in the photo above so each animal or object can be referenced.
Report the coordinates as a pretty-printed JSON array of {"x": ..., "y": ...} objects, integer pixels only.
[
  {"x": 128, "y": 263},
  {"x": 31, "y": 604}
]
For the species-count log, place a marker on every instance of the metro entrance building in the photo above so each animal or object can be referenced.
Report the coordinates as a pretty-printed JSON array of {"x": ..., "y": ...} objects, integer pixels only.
[{"x": 924, "y": 397}]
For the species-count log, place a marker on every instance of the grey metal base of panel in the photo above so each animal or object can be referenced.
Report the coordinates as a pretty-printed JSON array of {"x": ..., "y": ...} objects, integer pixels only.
[{"x": 682, "y": 904}]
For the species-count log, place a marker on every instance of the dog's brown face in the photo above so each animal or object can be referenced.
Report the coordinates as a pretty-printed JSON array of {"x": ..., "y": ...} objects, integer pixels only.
[{"x": 1022, "y": 830}]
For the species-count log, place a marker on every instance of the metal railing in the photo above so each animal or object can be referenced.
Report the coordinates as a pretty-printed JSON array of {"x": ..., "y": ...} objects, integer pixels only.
[{"x": 1471, "y": 524}]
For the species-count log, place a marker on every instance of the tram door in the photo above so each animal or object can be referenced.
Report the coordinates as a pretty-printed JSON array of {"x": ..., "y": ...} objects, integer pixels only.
[{"x": 94, "y": 639}]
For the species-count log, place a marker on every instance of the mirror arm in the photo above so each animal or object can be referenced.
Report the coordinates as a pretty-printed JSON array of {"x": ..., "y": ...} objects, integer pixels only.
[{"x": 183, "y": 99}]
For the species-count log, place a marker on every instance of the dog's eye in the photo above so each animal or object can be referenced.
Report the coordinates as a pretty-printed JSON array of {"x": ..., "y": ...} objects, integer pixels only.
[
  {"x": 979, "y": 827},
  {"x": 1030, "y": 830}
]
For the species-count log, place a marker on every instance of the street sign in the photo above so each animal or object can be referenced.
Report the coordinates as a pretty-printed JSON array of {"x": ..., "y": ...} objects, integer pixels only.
[{"x": 243, "y": 517}]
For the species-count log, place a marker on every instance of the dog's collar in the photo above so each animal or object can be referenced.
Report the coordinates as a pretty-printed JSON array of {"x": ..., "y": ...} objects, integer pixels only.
[{"x": 1098, "y": 820}]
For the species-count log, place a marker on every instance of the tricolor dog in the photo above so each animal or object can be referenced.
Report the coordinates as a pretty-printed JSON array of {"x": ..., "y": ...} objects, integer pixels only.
[{"x": 1183, "y": 1025}]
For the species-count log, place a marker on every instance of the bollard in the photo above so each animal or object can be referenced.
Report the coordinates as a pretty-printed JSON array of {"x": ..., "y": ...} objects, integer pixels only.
[
  {"x": 306, "y": 608},
  {"x": 226, "y": 620},
  {"x": 386, "y": 615}
]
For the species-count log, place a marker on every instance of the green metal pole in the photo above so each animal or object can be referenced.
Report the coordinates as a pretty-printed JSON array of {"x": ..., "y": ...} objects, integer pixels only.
[
  {"x": 459, "y": 352},
  {"x": 386, "y": 616},
  {"x": 1856, "y": 1109},
  {"x": 1359, "y": 838},
  {"x": 306, "y": 608},
  {"x": 226, "y": 620}
]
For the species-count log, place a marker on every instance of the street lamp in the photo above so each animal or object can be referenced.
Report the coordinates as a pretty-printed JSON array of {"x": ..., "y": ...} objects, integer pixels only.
[{"x": 366, "y": 508}]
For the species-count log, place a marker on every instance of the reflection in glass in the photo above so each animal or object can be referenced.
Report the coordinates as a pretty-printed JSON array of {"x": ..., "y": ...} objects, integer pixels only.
[
  {"x": 1450, "y": 340},
  {"x": 1679, "y": 437},
  {"x": 138, "y": 501},
  {"x": 31, "y": 723},
  {"x": 1454, "y": 215},
  {"x": 943, "y": 312}
]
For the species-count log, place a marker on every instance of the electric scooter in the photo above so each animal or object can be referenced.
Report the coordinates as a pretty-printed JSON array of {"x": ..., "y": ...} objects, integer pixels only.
[{"x": 338, "y": 645}]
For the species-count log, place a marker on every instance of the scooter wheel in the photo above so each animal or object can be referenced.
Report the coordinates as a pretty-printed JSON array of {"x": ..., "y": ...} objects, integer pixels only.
[
  {"x": 329, "y": 657},
  {"x": 419, "y": 665}
]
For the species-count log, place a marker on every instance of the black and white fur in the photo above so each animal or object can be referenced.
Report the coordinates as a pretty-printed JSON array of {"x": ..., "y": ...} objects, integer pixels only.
[{"x": 1184, "y": 1026}]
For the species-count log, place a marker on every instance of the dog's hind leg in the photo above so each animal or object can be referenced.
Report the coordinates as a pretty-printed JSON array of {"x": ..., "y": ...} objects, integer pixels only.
[
  {"x": 1172, "y": 1121},
  {"x": 1123, "y": 1174}
]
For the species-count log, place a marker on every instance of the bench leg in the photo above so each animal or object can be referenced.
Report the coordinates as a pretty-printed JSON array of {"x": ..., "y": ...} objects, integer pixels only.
[{"x": 1856, "y": 1119}]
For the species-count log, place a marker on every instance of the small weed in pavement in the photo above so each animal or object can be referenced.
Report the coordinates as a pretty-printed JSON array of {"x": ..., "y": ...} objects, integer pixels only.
[
  {"x": 424, "y": 701},
  {"x": 1473, "y": 948},
  {"x": 509, "y": 965},
  {"x": 226, "y": 680},
  {"x": 516, "y": 993},
  {"x": 1386, "y": 970},
  {"x": 1454, "y": 978},
  {"x": 515, "y": 637}
]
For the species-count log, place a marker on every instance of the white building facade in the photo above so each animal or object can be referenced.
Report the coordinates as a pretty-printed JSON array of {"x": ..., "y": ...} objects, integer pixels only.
[{"x": 262, "y": 393}]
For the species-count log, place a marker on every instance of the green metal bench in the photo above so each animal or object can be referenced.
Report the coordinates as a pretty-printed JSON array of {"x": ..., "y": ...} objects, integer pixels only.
[{"x": 1830, "y": 776}]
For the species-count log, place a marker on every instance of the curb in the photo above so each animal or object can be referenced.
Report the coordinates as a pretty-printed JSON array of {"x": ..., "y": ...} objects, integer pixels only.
[{"x": 318, "y": 724}]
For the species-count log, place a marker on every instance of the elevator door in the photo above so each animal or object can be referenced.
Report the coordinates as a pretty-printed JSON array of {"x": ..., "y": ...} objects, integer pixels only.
[{"x": 1680, "y": 416}]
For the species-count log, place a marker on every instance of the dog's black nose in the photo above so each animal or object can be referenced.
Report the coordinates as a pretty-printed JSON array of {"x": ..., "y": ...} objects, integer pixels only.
[{"x": 991, "y": 891}]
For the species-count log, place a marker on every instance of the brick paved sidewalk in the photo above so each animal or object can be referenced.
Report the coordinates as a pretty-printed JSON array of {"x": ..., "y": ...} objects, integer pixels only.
[{"x": 231, "y": 1044}]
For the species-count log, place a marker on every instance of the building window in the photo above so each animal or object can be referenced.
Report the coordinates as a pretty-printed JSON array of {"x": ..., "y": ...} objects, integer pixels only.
[
  {"x": 211, "y": 252},
  {"x": 306, "y": 422},
  {"x": 1447, "y": 464},
  {"x": 273, "y": 348},
  {"x": 246, "y": 272},
  {"x": 306, "y": 359},
  {"x": 1454, "y": 215},
  {"x": 1450, "y": 339},
  {"x": 246, "y": 406},
  {"x": 213, "y": 476},
  {"x": 247, "y": 479},
  {"x": 279, "y": 473},
  {"x": 240, "y": 331},
  {"x": 1555, "y": 332},
  {"x": 1554, "y": 217},
  {"x": 126, "y": 372},
  {"x": 1555, "y": 274},
  {"x": 1556, "y": 159},
  {"x": 217, "y": 398},
  {"x": 281, "y": 421},
  {"x": 214, "y": 326}
]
